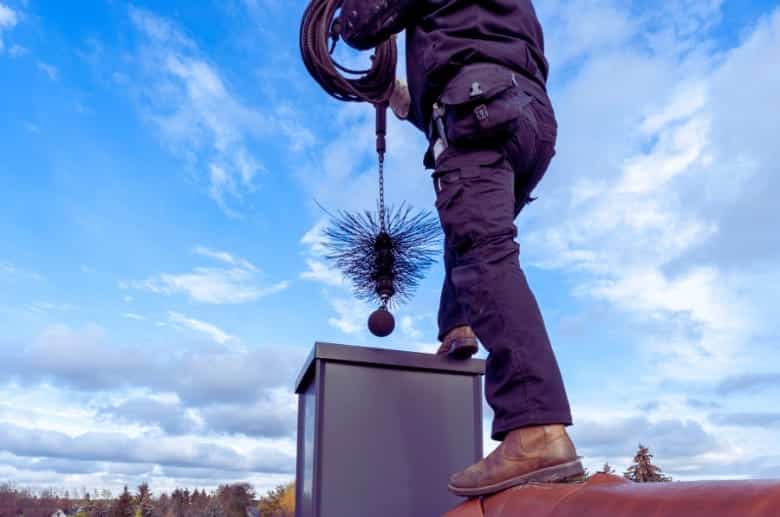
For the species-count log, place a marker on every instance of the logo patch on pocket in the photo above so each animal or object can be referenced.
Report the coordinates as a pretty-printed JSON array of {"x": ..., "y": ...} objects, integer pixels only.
[{"x": 481, "y": 113}]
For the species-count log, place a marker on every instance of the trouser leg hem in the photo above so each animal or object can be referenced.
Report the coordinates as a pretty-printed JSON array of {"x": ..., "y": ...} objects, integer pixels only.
[{"x": 501, "y": 429}]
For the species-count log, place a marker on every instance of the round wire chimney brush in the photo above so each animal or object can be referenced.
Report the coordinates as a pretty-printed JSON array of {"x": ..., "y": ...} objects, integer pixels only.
[{"x": 384, "y": 256}]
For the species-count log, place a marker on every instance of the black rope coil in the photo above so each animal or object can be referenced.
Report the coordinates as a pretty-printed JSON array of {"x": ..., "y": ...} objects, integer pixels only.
[{"x": 319, "y": 34}]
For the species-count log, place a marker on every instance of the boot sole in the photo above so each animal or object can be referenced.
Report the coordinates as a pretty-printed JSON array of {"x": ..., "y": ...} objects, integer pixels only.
[
  {"x": 546, "y": 475},
  {"x": 463, "y": 349}
]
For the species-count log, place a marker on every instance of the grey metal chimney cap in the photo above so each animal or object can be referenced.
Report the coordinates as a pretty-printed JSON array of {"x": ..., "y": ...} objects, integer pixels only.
[{"x": 384, "y": 358}]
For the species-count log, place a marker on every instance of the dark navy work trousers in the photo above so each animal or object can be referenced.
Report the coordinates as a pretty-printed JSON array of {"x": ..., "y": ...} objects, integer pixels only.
[{"x": 480, "y": 190}]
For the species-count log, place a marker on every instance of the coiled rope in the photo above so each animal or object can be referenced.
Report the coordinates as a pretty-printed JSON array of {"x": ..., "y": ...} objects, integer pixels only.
[{"x": 320, "y": 31}]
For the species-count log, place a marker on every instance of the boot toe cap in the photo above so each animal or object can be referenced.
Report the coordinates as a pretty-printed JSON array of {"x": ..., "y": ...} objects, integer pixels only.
[{"x": 468, "y": 478}]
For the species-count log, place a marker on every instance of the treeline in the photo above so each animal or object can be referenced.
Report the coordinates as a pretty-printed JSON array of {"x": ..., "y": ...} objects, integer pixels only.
[
  {"x": 233, "y": 500},
  {"x": 642, "y": 470},
  {"x": 15, "y": 502}
]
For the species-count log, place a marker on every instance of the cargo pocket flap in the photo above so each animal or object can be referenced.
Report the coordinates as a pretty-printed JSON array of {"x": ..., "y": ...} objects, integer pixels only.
[
  {"x": 447, "y": 195},
  {"x": 477, "y": 84}
]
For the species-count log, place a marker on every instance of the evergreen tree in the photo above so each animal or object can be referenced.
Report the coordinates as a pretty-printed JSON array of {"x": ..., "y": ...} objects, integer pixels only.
[
  {"x": 181, "y": 500},
  {"x": 643, "y": 470},
  {"x": 123, "y": 506},
  {"x": 144, "y": 507}
]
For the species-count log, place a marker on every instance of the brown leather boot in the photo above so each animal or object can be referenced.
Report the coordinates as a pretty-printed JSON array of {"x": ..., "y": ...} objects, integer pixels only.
[
  {"x": 459, "y": 343},
  {"x": 543, "y": 453}
]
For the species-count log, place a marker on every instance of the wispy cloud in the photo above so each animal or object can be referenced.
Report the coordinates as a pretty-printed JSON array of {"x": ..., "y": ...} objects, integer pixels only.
[
  {"x": 188, "y": 101},
  {"x": 45, "y": 307},
  {"x": 319, "y": 270},
  {"x": 747, "y": 419},
  {"x": 315, "y": 238},
  {"x": 9, "y": 269},
  {"x": 50, "y": 70},
  {"x": 749, "y": 383},
  {"x": 351, "y": 315},
  {"x": 8, "y": 20},
  {"x": 85, "y": 360},
  {"x": 169, "y": 416},
  {"x": 132, "y": 316},
  {"x": 226, "y": 257},
  {"x": 209, "y": 285},
  {"x": 237, "y": 284},
  {"x": 15, "y": 50},
  {"x": 8, "y": 17},
  {"x": 214, "y": 332},
  {"x": 324, "y": 273},
  {"x": 408, "y": 327},
  {"x": 117, "y": 447}
]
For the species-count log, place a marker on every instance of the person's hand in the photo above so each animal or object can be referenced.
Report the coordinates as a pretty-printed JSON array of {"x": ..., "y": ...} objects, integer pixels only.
[{"x": 400, "y": 100}]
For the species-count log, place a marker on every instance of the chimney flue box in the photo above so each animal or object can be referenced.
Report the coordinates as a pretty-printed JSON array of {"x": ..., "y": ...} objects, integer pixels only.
[{"x": 380, "y": 431}]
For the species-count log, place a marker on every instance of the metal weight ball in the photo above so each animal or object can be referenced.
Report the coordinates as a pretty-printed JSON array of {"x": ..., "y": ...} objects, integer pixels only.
[{"x": 381, "y": 322}]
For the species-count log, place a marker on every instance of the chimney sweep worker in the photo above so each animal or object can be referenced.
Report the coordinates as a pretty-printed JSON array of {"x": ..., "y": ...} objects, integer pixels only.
[{"x": 477, "y": 78}]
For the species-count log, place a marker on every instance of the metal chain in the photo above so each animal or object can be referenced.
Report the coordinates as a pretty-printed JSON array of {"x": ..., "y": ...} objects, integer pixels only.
[{"x": 381, "y": 192}]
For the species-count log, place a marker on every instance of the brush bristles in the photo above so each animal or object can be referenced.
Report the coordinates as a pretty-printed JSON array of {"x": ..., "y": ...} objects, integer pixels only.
[{"x": 414, "y": 242}]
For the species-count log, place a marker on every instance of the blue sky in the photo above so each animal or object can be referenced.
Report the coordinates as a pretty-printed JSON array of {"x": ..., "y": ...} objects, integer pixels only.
[{"x": 162, "y": 279}]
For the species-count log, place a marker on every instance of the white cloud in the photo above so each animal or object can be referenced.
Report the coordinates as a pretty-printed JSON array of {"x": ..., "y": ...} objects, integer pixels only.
[
  {"x": 426, "y": 348},
  {"x": 583, "y": 28},
  {"x": 45, "y": 307},
  {"x": 632, "y": 225},
  {"x": 117, "y": 447},
  {"x": 408, "y": 327},
  {"x": 8, "y": 20},
  {"x": 209, "y": 285},
  {"x": 225, "y": 257},
  {"x": 11, "y": 270},
  {"x": 51, "y": 71},
  {"x": 71, "y": 402},
  {"x": 214, "y": 332},
  {"x": 315, "y": 238},
  {"x": 132, "y": 316},
  {"x": 351, "y": 315},
  {"x": 196, "y": 372},
  {"x": 169, "y": 416},
  {"x": 321, "y": 272},
  {"x": 15, "y": 50},
  {"x": 275, "y": 415},
  {"x": 8, "y": 17},
  {"x": 316, "y": 249},
  {"x": 188, "y": 101},
  {"x": 237, "y": 284}
]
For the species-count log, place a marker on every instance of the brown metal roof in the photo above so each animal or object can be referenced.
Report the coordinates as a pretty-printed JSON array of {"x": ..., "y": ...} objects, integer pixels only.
[{"x": 604, "y": 495}]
